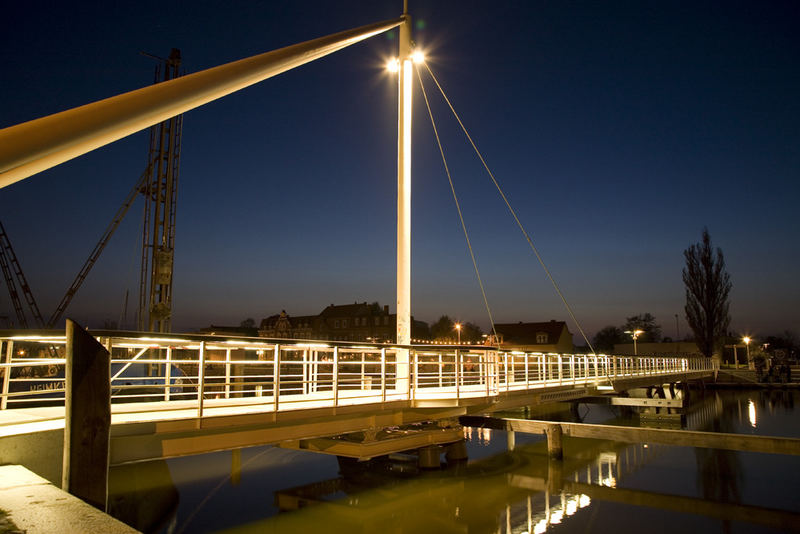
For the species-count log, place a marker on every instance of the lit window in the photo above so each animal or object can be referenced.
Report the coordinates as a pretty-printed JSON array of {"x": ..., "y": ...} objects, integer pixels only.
[{"x": 541, "y": 337}]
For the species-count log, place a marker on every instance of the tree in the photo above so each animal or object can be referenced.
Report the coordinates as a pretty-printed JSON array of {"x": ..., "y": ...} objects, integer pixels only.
[
  {"x": 471, "y": 332},
  {"x": 442, "y": 328},
  {"x": 248, "y": 323},
  {"x": 646, "y": 323},
  {"x": 606, "y": 338},
  {"x": 707, "y": 287}
]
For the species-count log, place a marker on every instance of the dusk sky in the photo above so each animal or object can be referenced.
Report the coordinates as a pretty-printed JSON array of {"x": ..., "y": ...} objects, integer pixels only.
[{"x": 617, "y": 129}]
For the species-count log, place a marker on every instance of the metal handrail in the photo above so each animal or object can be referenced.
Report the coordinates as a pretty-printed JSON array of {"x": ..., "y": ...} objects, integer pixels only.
[{"x": 281, "y": 374}]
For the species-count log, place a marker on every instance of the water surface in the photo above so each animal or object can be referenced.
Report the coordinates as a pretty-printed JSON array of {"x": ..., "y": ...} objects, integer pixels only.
[{"x": 600, "y": 486}]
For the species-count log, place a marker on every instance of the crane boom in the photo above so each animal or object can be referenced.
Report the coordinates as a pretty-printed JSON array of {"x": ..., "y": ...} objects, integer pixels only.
[
  {"x": 10, "y": 264},
  {"x": 101, "y": 244}
]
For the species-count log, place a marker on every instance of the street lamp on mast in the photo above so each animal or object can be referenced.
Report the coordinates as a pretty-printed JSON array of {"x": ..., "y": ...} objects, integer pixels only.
[{"x": 635, "y": 334}]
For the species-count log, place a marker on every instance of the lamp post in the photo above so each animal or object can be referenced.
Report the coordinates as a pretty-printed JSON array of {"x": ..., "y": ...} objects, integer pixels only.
[
  {"x": 747, "y": 340},
  {"x": 635, "y": 334},
  {"x": 458, "y": 329}
]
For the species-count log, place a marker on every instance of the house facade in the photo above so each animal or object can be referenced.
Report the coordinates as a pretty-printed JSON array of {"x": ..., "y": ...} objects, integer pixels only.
[
  {"x": 551, "y": 336},
  {"x": 344, "y": 322}
]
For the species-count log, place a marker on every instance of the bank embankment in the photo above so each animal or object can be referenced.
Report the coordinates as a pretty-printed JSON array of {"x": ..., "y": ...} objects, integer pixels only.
[{"x": 35, "y": 506}]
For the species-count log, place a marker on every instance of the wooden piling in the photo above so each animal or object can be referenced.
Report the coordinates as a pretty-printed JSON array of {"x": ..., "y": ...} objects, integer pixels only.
[
  {"x": 87, "y": 417},
  {"x": 554, "y": 447}
]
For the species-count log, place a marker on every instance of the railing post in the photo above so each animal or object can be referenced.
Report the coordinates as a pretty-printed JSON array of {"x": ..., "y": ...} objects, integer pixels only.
[
  {"x": 505, "y": 372},
  {"x": 383, "y": 374},
  {"x": 363, "y": 369},
  {"x": 440, "y": 370},
  {"x": 488, "y": 372},
  {"x": 614, "y": 365},
  {"x": 276, "y": 376},
  {"x": 7, "y": 373},
  {"x": 227, "y": 373},
  {"x": 527, "y": 374},
  {"x": 543, "y": 366},
  {"x": 167, "y": 373},
  {"x": 307, "y": 373},
  {"x": 412, "y": 392},
  {"x": 335, "y": 376},
  {"x": 201, "y": 378},
  {"x": 572, "y": 368},
  {"x": 457, "y": 372},
  {"x": 560, "y": 371}
]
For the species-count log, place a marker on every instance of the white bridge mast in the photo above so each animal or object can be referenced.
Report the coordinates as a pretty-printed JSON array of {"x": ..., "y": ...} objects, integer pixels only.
[{"x": 405, "y": 76}]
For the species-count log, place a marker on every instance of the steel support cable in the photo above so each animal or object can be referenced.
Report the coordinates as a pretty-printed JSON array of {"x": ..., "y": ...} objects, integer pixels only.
[
  {"x": 458, "y": 206},
  {"x": 513, "y": 213}
]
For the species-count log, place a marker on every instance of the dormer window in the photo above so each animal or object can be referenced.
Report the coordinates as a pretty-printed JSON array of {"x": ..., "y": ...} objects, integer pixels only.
[{"x": 541, "y": 337}]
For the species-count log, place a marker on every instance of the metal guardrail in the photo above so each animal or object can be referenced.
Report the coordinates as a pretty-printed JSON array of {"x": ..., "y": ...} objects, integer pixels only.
[{"x": 223, "y": 370}]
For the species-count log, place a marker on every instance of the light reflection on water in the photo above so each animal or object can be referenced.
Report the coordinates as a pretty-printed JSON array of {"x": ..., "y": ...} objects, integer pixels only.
[{"x": 600, "y": 483}]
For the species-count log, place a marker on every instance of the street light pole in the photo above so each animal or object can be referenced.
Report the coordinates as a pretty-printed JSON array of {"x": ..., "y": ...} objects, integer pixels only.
[
  {"x": 635, "y": 334},
  {"x": 458, "y": 329},
  {"x": 747, "y": 340}
]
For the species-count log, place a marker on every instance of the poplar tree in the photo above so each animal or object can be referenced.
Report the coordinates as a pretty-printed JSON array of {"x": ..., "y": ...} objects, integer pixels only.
[{"x": 707, "y": 287}]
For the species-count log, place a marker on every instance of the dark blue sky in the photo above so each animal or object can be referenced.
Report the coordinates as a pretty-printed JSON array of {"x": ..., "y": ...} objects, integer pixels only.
[{"x": 618, "y": 130}]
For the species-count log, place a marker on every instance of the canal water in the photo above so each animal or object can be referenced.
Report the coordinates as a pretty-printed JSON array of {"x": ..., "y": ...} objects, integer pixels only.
[{"x": 601, "y": 486}]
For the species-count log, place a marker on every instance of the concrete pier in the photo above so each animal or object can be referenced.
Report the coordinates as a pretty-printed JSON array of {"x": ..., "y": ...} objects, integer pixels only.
[{"x": 36, "y": 506}]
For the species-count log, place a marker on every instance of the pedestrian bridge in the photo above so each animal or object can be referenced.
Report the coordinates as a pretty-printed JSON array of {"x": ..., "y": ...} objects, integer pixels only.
[{"x": 173, "y": 395}]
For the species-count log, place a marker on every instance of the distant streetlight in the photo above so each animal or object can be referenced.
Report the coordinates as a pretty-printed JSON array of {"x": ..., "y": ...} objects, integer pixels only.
[
  {"x": 458, "y": 329},
  {"x": 635, "y": 334}
]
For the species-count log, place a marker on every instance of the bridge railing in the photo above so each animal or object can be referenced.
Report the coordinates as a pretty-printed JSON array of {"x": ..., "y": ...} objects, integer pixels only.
[{"x": 202, "y": 373}]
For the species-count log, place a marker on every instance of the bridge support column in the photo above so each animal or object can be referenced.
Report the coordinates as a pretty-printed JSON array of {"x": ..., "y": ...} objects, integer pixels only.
[
  {"x": 429, "y": 457},
  {"x": 555, "y": 475},
  {"x": 511, "y": 440},
  {"x": 554, "y": 447},
  {"x": 456, "y": 452},
  {"x": 87, "y": 419}
]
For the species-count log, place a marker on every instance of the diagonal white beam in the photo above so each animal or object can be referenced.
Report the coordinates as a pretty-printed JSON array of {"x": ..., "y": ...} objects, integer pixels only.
[{"x": 34, "y": 146}]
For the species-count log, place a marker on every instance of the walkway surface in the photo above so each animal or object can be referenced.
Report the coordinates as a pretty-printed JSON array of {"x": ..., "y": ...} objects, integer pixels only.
[{"x": 36, "y": 506}]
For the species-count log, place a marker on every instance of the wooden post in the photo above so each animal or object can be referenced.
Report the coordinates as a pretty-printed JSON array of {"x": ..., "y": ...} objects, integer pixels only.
[
  {"x": 554, "y": 447},
  {"x": 87, "y": 417}
]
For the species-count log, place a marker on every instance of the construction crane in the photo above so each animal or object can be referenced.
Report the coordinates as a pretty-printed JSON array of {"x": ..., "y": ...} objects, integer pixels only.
[
  {"x": 160, "y": 192},
  {"x": 11, "y": 268},
  {"x": 159, "y": 185}
]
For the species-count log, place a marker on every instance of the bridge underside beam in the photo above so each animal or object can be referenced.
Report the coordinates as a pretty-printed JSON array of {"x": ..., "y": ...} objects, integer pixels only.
[
  {"x": 365, "y": 450},
  {"x": 145, "y": 441},
  {"x": 633, "y": 401},
  {"x": 678, "y": 438}
]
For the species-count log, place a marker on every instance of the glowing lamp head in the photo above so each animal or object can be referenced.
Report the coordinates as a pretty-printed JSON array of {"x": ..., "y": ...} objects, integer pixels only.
[
  {"x": 746, "y": 339},
  {"x": 418, "y": 56},
  {"x": 458, "y": 326},
  {"x": 393, "y": 65}
]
